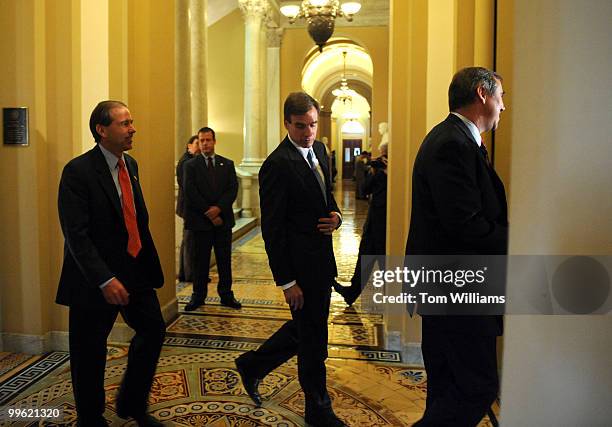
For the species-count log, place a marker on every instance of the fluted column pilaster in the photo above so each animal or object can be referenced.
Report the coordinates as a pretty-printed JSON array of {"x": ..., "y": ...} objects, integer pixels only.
[
  {"x": 182, "y": 82},
  {"x": 199, "y": 63},
  {"x": 254, "y": 12},
  {"x": 274, "y": 36}
]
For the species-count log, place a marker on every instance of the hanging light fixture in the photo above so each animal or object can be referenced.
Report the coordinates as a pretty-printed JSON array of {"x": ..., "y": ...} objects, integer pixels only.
[
  {"x": 344, "y": 94},
  {"x": 320, "y": 16}
]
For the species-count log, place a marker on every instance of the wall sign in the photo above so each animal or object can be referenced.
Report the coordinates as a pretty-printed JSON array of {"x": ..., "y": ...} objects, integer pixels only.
[{"x": 15, "y": 123}]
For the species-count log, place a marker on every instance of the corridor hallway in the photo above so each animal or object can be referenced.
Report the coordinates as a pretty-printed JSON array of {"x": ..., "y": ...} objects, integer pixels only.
[{"x": 197, "y": 383}]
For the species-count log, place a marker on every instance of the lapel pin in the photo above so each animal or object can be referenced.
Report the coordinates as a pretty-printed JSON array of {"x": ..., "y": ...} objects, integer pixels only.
[
  {"x": 135, "y": 178},
  {"x": 220, "y": 164}
]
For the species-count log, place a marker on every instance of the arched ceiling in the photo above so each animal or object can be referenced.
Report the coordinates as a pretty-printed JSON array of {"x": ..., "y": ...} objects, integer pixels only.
[{"x": 323, "y": 71}]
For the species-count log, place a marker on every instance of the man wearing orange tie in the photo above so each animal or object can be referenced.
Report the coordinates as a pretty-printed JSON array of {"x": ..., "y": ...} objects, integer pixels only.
[{"x": 110, "y": 266}]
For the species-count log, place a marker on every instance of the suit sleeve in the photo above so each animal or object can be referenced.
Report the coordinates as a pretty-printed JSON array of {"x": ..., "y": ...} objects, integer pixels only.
[
  {"x": 227, "y": 198},
  {"x": 273, "y": 197},
  {"x": 458, "y": 199},
  {"x": 73, "y": 207}
]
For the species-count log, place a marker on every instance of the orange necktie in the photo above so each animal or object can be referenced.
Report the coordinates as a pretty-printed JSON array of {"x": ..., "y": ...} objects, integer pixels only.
[{"x": 129, "y": 213}]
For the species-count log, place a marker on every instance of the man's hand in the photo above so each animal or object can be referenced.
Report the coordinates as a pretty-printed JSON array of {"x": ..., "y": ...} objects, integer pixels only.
[
  {"x": 217, "y": 221},
  {"x": 213, "y": 212},
  {"x": 115, "y": 293},
  {"x": 329, "y": 224},
  {"x": 294, "y": 297}
]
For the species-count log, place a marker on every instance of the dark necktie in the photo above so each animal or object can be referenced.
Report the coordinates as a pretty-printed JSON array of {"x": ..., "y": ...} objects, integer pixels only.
[
  {"x": 210, "y": 168},
  {"x": 313, "y": 167},
  {"x": 485, "y": 153},
  {"x": 129, "y": 212}
]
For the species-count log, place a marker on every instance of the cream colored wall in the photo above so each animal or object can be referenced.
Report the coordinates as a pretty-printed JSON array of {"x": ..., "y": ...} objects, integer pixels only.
[
  {"x": 226, "y": 84},
  {"x": 296, "y": 44},
  {"x": 560, "y": 367},
  {"x": 46, "y": 70},
  {"x": 429, "y": 42}
]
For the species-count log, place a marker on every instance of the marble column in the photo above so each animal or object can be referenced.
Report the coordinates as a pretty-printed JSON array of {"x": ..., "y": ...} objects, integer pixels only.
[
  {"x": 275, "y": 36},
  {"x": 198, "y": 29},
  {"x": 182, "y": 83},
  {"x": 254, "y": 12}
]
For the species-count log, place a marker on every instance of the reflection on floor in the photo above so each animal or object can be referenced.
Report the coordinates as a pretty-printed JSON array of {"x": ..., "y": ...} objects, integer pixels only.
[{"x": 196, "y": 382}]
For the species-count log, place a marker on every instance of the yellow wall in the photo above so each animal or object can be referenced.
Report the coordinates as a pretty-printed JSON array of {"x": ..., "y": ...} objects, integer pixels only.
[
  {"x": 226, "y": 84},
  {"x": 47, "y": 70}
]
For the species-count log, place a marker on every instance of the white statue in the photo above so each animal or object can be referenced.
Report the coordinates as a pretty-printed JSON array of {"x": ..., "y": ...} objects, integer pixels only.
[{"x": 383, "y": 130}]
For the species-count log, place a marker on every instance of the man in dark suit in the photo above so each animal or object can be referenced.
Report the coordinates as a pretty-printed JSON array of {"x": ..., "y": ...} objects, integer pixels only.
[
  {"x": 459, "y": 207},
  {"x": 191, "y": 150},
  {"x": 374, "y": 237},
  {"x": 298, "y": 217},
  {"x": 110, "y": 266},
  {"x": 211, "y": 186}
]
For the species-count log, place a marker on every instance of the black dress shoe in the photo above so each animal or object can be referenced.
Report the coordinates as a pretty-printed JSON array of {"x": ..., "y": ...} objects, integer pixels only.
[
  {"x": 230, "y": 302},
  {"x": 194, "y": 304},
  {"x": 329, "y": 420},
  {"x": 349, "y": 293},
  {"x": 250, "y": 385}
]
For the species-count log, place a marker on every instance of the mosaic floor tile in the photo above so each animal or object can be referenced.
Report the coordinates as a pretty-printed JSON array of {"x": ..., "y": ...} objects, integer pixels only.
[{"x": 360, "y": 335}]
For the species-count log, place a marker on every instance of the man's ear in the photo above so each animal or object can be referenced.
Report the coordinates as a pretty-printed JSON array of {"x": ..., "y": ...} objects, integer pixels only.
[
  {"x": 286, "y": 123},
  {"x": 100, "y": 129},
  {"x": 481, "y": 93}
]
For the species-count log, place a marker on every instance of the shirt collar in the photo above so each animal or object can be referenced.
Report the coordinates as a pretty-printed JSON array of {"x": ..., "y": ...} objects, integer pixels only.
[
  {"x": 471, "y": 127},
  {"x": 110, "y": 158},
  {"x": 303, "y": 151}
]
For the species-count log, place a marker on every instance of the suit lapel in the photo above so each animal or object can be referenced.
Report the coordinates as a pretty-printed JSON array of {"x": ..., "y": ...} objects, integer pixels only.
[
  {"x": 303, "y": 171},
  {"x": 136, "y": 190},
  {"x": 106, "y": 180}
]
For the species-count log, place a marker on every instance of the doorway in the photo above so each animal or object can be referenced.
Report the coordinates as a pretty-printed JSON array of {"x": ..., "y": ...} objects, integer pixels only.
[{"x": 351, "y": 148}]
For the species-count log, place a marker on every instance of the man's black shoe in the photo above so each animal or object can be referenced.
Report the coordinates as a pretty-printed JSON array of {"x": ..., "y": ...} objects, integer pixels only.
[
  {"x": 230, "y": 302},
  {"x": 348, "y": 293},
  {"x": 250, "y": 385},
  {"x": 330, "y": 420},
  {"x": 194, "y": 304}
]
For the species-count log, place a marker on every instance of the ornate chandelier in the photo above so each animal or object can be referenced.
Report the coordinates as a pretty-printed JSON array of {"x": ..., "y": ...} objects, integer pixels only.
[
  {"x": 320, "y": 16},
  {"x": 344, "y": 94}
]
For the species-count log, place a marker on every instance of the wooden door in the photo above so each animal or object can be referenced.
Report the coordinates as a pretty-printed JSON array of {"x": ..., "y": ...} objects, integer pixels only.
[{"x": 351, "y": 148}]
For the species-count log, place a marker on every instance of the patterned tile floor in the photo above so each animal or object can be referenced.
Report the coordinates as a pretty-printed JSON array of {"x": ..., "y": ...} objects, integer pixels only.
[{"x": 196, "y": 383}]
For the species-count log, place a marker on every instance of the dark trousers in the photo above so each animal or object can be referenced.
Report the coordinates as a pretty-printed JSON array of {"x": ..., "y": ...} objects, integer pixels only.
[
  {"x": 89, "y": 329},
  {"x": 185, "y": 258},
  {"x": 305, "y": 336},
  {"x": 369, "y": 246},
  {"x": 221, "y": 239},
  {"x": 462, "y": 380}
]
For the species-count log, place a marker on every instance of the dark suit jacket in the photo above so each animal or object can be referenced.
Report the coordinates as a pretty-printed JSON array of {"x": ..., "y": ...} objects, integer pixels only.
[
  {"x": 291, "y": 205},
  {"x": 458, "y": 207},
  {"x": 95, "y": 235},
  {"x": 375, "y": 227},
  {"x": 180, "y": 174},
  {"x": 200, "y": 194}
]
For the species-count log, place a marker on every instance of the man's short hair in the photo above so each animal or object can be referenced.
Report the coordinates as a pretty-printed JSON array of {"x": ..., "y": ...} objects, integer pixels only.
[
  {"x": 207, "y": 129},
  {"x": 462, "y": 90},
  {"x": 299, "y": 103},
  {"x": 101, "y": 116}
]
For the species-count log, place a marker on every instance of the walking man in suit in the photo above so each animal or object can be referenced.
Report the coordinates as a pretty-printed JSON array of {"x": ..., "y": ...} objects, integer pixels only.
[
  {"x": 110, "y": 266},
  {"x": 210, "y": 186},
  {"x": 298, "y": 216},
  {"x": 459, "y": 207}
]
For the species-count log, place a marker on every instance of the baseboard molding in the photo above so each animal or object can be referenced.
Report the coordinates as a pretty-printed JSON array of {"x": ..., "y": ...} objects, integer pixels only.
[
  {"x": 58, "y": 340},
  {"x": 35, "y": 344}
]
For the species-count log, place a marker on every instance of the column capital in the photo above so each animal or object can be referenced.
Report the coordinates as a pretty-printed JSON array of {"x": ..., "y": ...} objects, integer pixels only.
[
  {"x": 254, "y": 8},
  {"x": 275, "y": 36}
]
